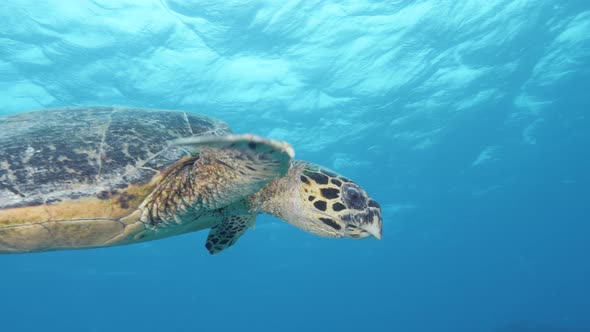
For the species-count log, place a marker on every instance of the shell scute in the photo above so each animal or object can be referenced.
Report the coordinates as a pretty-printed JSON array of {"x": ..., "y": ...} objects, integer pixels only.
[{"x": 89, "y": 162}]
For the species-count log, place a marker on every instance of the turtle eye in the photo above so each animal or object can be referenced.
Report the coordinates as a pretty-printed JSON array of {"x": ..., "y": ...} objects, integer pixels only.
[{"x": 354, "y": 198}]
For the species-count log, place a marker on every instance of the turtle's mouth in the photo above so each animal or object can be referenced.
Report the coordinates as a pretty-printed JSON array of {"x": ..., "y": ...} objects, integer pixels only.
[
  {"x": 369, "y": 221},
  {"x": 375, "y": 230}
]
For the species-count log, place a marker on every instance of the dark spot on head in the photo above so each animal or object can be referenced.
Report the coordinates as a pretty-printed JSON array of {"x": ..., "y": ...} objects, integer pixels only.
[
  {"x": 252, "y": 145},
  {"x": 374, "y": 204},
  {"x": 304, "y": 179},
  {"x": 366, "y": 218},
  {"x": 311, "y": 198},
  {"x": 224, "y": 241},
  {"x": 354, "y": 236},
  {"x": 320, "y": 205},
  {"x": 336, "y": 182},
  {"x": 330, "y": 193},
  {"x": 331, "y": 223},
  {"x": 317, "y": 177},
  {"x": 208, "y": 245},
  {"x": 122, "y": 185},
  {"x": 214, "y": 240},
  {"x": 338, "y": 207},
  {"x": 347, "y": 217},
  {"x": 103, "y": 195}
]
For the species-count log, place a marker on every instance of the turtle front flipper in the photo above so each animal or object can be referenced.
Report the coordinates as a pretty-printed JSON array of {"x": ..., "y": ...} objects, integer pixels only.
[
  {"x": 229, "y": 168},
  {"x": 225, "y": 234}
]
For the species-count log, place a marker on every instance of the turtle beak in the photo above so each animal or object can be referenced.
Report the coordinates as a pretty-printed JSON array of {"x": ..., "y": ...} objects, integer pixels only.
[{"x": 374, "y": 228}]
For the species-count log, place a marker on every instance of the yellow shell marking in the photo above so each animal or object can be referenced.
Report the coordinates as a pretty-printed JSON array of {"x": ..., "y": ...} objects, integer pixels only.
[
  {"x": 87, "y": 222},
  {"x": 115, "y": 207}
]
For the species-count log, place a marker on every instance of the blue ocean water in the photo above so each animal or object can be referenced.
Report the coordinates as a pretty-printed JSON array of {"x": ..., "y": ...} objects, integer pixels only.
[{"x": 467, "y": 120}]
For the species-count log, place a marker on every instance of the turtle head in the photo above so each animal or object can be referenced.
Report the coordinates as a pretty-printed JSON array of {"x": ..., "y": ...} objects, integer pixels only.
[{"x": 323, "y": 202}]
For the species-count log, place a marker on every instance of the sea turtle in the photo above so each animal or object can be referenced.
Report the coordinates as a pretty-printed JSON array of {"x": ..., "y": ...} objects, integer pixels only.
[{"x": 83, "y": 177}]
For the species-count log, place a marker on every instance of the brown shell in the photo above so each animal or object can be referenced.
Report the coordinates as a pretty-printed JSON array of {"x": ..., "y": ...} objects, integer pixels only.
[{"x": 89, "y": 157}]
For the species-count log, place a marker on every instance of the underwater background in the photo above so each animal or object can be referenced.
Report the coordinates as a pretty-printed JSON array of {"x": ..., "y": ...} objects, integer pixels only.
[{"x": 467, "y": 120}]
